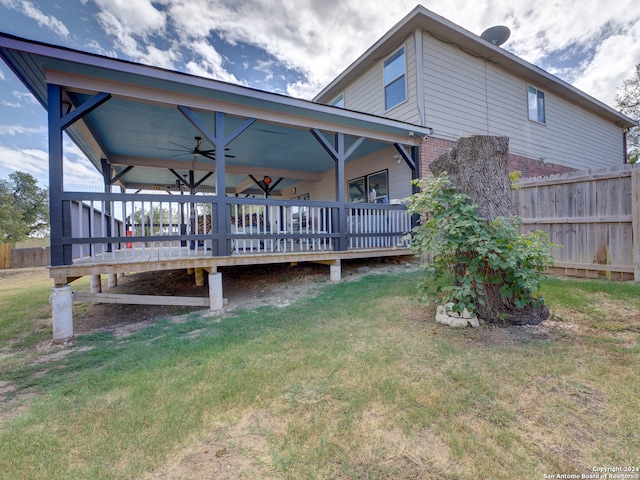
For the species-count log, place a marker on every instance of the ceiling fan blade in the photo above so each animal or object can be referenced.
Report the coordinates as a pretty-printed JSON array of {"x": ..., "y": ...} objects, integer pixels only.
[{"x": 178, "y": 145}]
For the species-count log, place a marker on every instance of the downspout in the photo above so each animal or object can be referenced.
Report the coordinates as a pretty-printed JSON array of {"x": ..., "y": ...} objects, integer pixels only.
[{"x": 624, "y": 145}]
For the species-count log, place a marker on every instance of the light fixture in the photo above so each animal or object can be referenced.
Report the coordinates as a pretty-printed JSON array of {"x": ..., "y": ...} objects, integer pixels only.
[
  {"x": 265, "y": 183},
  {"x": 398, "y": 158}
]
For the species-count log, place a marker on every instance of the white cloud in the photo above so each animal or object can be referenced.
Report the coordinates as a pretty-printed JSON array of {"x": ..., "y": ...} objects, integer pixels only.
[
  {"x": 31, "y": 160},
  {"x": 210, "y": 63},
  {"x": 13, "y": 130},
  {"x": 266, "y": 67},
  {"x": 131, "y": 23},
  {"x": 613, "y": 63},
  {"x": 77, "y": 169},
  {"x": 317, "y": 37},
  {"x": 24, "y": 98},
  {"x": 134, "y": 17},
  {"x": 33, "y": 12}
]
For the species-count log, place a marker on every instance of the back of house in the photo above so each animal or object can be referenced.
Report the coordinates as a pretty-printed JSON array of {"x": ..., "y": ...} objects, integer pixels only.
[{"x": 430, "y": 72}]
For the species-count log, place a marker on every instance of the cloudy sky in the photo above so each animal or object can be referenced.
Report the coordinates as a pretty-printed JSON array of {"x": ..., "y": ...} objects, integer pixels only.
[{"x": 293, "y": 47}]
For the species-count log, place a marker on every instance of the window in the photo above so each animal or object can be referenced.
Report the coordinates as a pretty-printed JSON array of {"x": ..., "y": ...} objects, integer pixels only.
[
  {"x": 372, "y": 188},
  {"x": 357, "y": 190},
  {"x": 378, "y": 187},
  {"x": 338, "y": 101},
  {"x": 395, "y": 89},
  {"x": 536, "y": 105}
]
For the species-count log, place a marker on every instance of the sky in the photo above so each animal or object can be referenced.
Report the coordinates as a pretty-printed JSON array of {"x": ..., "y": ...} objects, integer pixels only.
[{"x": 294, "y": 47}]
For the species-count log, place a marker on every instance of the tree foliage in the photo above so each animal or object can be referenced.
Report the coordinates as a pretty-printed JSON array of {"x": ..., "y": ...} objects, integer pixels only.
[
  {"x": 472, "y": 258},
  {"x": 628, "y": 102},
  {"x": 24, "y": 208}
]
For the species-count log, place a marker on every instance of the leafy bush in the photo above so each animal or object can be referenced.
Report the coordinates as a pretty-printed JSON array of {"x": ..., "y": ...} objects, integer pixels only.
[{"x": 472, "y": 259}]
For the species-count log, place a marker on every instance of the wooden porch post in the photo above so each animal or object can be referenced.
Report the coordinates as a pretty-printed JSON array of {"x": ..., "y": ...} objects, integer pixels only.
[
  {"x": 413, "y": 161},
  {"x": 338, "y": 153},
  {"x": 59, "y": 211},
  {"x": 340, "y": 192},
  {"x": 60, "y": 254},
  {"x": 220, "y": 141},
  {"x": 106, "y": 176}
]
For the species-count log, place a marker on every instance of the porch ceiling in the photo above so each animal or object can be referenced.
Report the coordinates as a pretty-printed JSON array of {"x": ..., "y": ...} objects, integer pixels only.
[{"x": 142, "y": 126}]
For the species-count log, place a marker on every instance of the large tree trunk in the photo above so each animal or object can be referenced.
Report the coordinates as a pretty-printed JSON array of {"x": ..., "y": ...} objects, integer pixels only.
[{"x": 477, "y": 166}]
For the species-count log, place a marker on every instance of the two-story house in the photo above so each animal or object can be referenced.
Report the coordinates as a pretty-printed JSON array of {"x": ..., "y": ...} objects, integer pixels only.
[{"x": 428, "y": 71}]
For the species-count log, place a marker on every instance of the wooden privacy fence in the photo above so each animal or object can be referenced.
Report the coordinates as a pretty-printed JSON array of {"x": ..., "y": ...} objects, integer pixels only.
[
  {"x": 30, "y": 257},
  {"x": 24, "y": 257},
  {"x": 5, "y": 256},
  {"x": 594, "y": 216}
]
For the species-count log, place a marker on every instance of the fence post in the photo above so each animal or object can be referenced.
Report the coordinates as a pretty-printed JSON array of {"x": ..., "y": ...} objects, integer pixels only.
[
  {"x": 5, "y": 255},
  {"x": 635, "y": 226}
]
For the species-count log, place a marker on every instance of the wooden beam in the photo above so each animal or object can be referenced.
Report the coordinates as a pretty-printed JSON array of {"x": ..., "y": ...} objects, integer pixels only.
[
  {"x": 210, "y": 167},
  {"x": 568, "y": 220},
  {"x": 243, "y": 186},
  {"x": 140, "y": 299}
]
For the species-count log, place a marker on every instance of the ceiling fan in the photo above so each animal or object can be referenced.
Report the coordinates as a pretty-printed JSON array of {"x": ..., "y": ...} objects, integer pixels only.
[{"x": 199, "y": 150}]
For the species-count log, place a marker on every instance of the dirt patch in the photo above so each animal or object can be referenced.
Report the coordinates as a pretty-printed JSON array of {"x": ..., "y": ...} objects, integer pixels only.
[
  {"x": 244, "y": 287},
  {"x": 240, "y": 451}
]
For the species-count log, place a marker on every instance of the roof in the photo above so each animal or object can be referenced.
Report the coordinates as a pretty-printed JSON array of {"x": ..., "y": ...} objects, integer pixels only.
[
  {"x": 141, "y": 124},
  {"x": 442, "y": 29}
]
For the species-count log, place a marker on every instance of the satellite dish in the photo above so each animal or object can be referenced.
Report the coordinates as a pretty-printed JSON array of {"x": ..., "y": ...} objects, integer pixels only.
[{"x": 496, "y": 35}]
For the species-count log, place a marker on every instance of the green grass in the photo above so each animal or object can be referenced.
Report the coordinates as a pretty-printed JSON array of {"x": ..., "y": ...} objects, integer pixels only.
[
  {"x": 24, "y": 303},
  {"x": 357, "y": 382}
]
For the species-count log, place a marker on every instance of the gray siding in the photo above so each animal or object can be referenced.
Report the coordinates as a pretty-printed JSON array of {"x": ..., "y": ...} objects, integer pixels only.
[
  {"x": 366, "y": 94},
  {"x": 466, "y": 96},
  {"x": 324, "y": 189}
]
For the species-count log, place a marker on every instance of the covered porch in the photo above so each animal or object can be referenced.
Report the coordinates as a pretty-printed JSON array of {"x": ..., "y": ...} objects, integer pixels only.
[{"x": 200, "y": 174}]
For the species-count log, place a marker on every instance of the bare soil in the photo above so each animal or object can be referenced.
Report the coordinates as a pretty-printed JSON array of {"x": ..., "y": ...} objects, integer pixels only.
[{"x": 244, "y": 287}]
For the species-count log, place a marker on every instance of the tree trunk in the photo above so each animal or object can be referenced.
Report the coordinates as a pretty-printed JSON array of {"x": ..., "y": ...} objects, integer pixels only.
[{"x": 477, "y": 166}]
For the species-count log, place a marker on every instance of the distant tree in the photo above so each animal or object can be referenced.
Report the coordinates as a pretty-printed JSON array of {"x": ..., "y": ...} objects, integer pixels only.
[
  {"x": 24, "y": 208},
  {"x": 628, "y": 102}
]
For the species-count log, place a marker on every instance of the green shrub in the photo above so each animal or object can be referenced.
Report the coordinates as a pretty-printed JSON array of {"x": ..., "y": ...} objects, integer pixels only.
[{"x": 474, "y": 261}]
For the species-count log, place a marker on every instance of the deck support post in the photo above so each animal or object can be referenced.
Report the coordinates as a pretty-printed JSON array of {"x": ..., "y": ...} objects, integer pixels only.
[
  {"x": 96, "y": 284},
  {"x": 335, "y": 271},
  {"x": 112, "y": 279},
  {"x": 199, "y": 277},
  {"x": 215, "y": 292},
  {"x": 62, "y": 312}
]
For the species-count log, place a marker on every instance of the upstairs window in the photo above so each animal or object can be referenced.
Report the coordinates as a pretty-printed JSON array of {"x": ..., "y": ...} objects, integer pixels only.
[
  {"x": 536, "y": 105},
  {"x": 338, "y": 101},
  {"x": 395, "y": 88}
]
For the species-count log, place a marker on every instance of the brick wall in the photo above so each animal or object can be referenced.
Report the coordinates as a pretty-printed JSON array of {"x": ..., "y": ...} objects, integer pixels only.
[{"x": 432, "y": 148}]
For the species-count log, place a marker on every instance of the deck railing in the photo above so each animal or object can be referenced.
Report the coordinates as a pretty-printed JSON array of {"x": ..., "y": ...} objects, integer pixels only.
[{"x": 107, "y": 226}]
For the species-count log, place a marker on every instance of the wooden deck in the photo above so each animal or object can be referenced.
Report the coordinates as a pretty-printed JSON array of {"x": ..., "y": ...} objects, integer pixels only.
[{"x": 159, "y": 259}]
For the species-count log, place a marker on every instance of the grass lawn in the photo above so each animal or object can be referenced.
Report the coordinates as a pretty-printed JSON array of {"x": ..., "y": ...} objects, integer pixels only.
[{"x": 357, "y": 382}]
